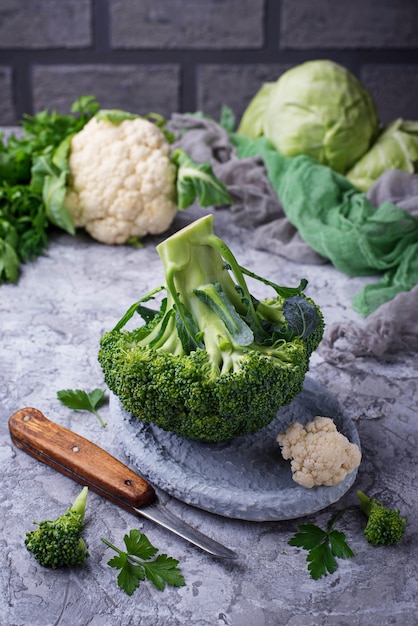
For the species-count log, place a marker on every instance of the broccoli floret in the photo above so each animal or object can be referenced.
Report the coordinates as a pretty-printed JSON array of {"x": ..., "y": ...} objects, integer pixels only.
[
  {"x": 212, "y": 362},
  {"x": 59, "y": 543},
  {"x": 384, "y": 525}
]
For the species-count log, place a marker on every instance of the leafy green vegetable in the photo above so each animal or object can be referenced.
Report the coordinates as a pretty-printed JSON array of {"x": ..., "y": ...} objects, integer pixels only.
[
  {"x": 28, "y": 207},
  {"x": 395, "y": 148},
  {"x": 320, "y": 109},
  {"x": 197, "y": 181},
  {"x": 80, "y": 400},
  {"x": 135, "y": 564},
  {"x": 324, "y": 546},
  {"x": 252, "y": 120}
]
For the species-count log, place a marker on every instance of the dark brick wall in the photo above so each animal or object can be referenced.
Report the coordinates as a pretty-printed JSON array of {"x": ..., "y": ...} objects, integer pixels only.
[{"x": 184, "y": 55}]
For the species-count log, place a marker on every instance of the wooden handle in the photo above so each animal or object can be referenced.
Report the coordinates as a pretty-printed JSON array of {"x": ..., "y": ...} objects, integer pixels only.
[{"x": 80, "y": 459}]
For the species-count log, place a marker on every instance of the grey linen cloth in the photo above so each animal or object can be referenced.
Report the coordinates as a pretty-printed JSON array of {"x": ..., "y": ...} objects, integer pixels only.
[{"x": 393, "y": 327}]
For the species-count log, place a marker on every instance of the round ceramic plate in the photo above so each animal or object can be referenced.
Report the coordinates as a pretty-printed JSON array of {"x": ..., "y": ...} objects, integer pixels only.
[{"x": 245, "y": 478}]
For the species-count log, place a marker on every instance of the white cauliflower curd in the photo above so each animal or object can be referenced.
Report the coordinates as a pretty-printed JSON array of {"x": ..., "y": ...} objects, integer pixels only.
[
  {"x": 319, "y": 453},
  {"x": 122, "y": 182}
]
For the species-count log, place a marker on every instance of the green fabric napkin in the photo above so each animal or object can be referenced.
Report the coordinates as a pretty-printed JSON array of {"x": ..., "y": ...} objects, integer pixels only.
[{"x": 340, "y": 223}]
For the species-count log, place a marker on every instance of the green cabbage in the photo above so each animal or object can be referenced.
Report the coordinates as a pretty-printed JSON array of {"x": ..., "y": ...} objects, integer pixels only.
[
  {"x": 395, "y": 148},
  {"x": 251, "y": 123},
  {"x": 320, "y": 109}
]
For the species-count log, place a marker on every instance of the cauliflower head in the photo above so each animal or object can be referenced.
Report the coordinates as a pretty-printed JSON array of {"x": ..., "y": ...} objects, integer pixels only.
[
  {"x": 319, "y": 453},
  {"x": 122, "y": 182}
]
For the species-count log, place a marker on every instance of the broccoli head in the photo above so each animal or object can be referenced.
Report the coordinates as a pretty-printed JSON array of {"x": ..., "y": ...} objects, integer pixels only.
[
  {"x": 211, "y": 362},
  {"x": 59, "y": 543},
  {"x": 384, "y": 525}
]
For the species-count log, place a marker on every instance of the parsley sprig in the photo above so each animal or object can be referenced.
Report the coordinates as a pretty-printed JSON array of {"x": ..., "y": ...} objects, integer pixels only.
[
  {"x": 80, "y": 400},
  {"x": 25, "y": 184},
  {"x": 135, "y": 564},
  {"x": 324, "y": 546}
]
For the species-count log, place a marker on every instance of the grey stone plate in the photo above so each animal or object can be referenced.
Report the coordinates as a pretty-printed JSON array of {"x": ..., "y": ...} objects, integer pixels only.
[{"x": 245, "y": 478}]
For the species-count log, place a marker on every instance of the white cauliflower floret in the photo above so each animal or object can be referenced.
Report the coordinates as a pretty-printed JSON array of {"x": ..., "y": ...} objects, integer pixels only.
[
  {"x": 122, "y": 183},
  {"x": 320, "y": 455}
]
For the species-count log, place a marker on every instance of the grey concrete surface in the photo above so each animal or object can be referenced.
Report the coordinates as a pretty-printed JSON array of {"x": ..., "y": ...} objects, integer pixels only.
[{"x": 50, "y": 326}]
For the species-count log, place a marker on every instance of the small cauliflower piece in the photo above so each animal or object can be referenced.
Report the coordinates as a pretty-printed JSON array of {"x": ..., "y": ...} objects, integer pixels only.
[
  {"x": 319, "y": 453},
  {"x": 122, "y": 182}
]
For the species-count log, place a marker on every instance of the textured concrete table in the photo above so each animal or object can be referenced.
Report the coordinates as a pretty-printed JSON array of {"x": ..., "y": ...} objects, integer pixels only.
[{"x": 50, "y": 325}]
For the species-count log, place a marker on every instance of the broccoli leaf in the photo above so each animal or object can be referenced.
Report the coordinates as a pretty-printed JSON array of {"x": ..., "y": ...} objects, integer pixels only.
[
  {"x": 324, "y": 546},
  {"x": 197, "y": 180},
  {"x": 80, "y": 400},
  {"x": 301, "y": 317},
  {"x": 135, "y": 564},
  {"x": 215, "y": 298},
  {"x": 187, "y": 330},
  {"x": 285, "y": 292},
  {"x": 136, "y": 308}
]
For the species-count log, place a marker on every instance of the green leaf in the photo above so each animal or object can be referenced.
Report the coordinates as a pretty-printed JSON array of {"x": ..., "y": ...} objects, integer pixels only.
[
  {"x": 49, "y": 176},
  {"x": 9, "y": 262},
  {"x": 115, "y": 116},
  {"x": 135, "y": 564},
  {"x": 227, "y": 120},
  {"x": 139, "y": 545},
  {"x": 54, "y": 192},
  {"x": 301, "y": 316},
  {"x": 197, "y": 181},
  {"x": 321, "y": 561},
  {"x": 285, "y": 292},
  {"x": 136, "y": 308},
  {"x": 80, "y": 400},
  {"x": 339, "y": 546},
  {"x": 323, "y": 546},
  {"x": 308, "y": 537},
  {"x": 164, "y": 571},
  {"x": 130, "y": 577},
  {"x": 86, "y": 106},
  {"x": 215, "y": 298},
  {"x": 118, "y": 561}
]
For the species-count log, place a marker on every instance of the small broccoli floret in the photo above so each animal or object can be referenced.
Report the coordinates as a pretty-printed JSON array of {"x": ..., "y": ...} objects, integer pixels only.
[
  {"x": 212, "y": 362},
  {"x": 384, "y": 526},
  {"x": 59, "y": 543}
]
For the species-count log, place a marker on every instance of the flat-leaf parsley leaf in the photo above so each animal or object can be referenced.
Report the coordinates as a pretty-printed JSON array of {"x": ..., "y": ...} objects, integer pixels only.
[
  {"x": 135, "y": 564},
  {"x": 324, "y": 546},
  {"x": 80, "y": 400}
]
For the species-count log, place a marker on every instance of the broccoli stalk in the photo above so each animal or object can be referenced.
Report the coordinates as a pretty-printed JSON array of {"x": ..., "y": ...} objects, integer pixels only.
[
  {"x": 59, "y": 543},
  {"x": 213, "y": 362},
  {"x": 384, "y": 525}
]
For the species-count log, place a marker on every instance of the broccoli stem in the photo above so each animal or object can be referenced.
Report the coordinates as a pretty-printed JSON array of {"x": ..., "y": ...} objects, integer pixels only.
[
  {"x": 366, "y": 503},
  {"x": 79, "y": 504},
  {"x": 196, "y": 257}
]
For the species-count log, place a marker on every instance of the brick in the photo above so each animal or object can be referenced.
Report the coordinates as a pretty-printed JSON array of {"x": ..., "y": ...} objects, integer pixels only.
[
  {"x": 215, "y": 24},
  {"x": 45, "y": 23},
  {"x": 135, "y": 88},
  {"x": 356, "y": 24},
  {"x": 232, "y": 85},
  {"x": 394, "y": 89},
  {"x": 7, "y": 114}
]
